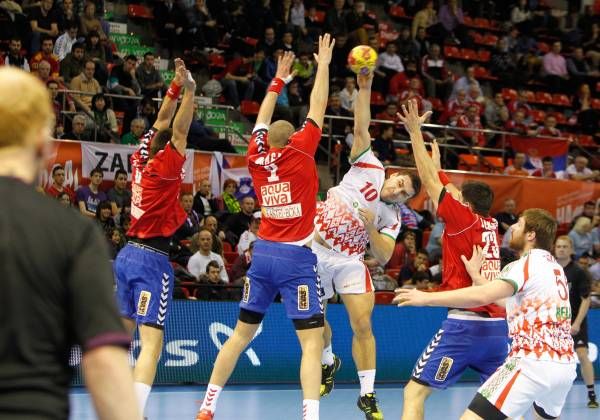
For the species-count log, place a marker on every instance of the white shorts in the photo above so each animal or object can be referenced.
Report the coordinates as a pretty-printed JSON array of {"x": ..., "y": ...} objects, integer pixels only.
[
  {"x": 520, "y": 383},
  {"x": 340, "y": 273}
]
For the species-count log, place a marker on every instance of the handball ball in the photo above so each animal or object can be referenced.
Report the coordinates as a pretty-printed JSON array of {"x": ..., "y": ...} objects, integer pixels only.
[{"x": 362, "y": 59}]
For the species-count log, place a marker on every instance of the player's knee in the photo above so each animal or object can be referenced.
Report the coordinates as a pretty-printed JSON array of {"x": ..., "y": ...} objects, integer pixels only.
[
  {"x": 361, "y": 326},
  {"x": 414, "y": 392},
  {"x": 582, "y": 354},
  {"x": 315, "y": 321}
]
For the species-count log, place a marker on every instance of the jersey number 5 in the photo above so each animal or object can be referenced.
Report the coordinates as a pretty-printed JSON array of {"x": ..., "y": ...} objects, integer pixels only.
[
  {"x": 563, "y": 291},
  {"x": 369, "y": 192}
]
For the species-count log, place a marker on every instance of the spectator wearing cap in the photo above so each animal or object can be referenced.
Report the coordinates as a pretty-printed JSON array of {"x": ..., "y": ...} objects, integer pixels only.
[{"x": 250, "y": 235}]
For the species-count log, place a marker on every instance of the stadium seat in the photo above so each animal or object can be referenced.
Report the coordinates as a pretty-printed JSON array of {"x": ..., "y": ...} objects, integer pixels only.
[
  {"x": 451, "y": 52},
  {"x": 217, "y": 60},
  {"x": 585, "y": 140},
  {"x": 468, "y": 162},
  {"x": 538, "y": 115},
  {"x": 139, "y": 11},
  {"x": 509, "y": 94},
  {"x": 530, "y": 96},
  {"x": 251, "y": 41},
  {"x": 596, "y": 103},
  {"x": 561, "y": 100},
  {"x": 560, "y": 118},
  {"x": 384, "y": 297},
  {"x": 377, "y": 98},
  {"x": 484, "y": 56},
  {"x": 249, "y": 108},
  {"x": 482, "y": 23},
  {"x": 468, "y": 21},
  {"x": 477, "y": 37},
  {"x": 320, "y": 16},
  {"x": 397, "y": 11},
  {"x": 494, "y": 163},
  {"x": 543, "y": 47},
  {"x": 437, "y": 104},
  {"x": 543, "y": 98},
  {"x": 490, "y": 40},
  {"x": 468, "y": 54}
]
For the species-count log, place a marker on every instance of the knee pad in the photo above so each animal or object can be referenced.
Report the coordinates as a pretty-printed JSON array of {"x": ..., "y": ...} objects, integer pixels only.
[
  {"x": 315, "y": 321},
  {"x": 250, "y": 317}
]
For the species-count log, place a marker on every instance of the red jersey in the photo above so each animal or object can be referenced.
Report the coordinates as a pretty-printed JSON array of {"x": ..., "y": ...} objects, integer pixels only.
[
  {"x": 286, "y": 183},
  {"x": 462, "y": 230},
  {"x": 155, "y": 187},
  {"x": 53, "y": 192}
]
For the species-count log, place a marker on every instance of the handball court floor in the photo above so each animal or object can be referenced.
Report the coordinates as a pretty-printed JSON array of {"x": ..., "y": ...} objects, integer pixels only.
[{"x": 283, "y": 403}]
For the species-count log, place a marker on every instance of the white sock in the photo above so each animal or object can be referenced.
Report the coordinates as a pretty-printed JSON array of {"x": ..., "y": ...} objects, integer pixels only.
[
  {"x": 367, "y": 381},
  {"x": 211, "y": 397},
  {"x": 142, "y": 391},
  {"x": 327, "y": 356},
  {"x": 310, "y": 410}
]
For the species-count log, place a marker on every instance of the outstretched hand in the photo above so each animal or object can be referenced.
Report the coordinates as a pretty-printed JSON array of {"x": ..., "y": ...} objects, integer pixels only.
[
  {"x": 410, "y": 297},
  {"x": 326, "y": 43},
  {"x": 435, "y": 155},
  {"x": 284, "y": 66},
  {"x": 180, "y": 74},
  {"x": 189, "y": 83},
  {"x": 364, "y": 81},
  {"x": 474, "y": 264},
  {"x": 410, "y": 116}
]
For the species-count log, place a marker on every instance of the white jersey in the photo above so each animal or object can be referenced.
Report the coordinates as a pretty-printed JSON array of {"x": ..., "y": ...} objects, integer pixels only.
[
  {"x": 539, "y": 313},
  {"x": 337, "y": 220}
]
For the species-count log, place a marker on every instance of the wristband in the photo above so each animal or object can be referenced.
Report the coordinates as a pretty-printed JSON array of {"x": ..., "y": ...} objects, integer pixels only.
[
  {"x": 174, "y": 91},
  {"x": 276, "y": 85},
  {"x": 443, "y": 178}
]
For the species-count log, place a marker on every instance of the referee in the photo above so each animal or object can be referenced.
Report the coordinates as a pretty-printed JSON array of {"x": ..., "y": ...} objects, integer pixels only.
[
  {"x": 55, "y": 280},
  {"x": 579, "y": 298}
]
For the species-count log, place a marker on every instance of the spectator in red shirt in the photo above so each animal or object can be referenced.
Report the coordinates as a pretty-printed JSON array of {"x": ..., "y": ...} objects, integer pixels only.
[
  {"x": 471, "y": 120},
  {"x": 58, "y": 184},
  {"x": 437, "y": 77},
  {"x": 547, "y": 170},
  {"x": 45, "y": 54},
  {"x": 389, "y": 114},
  {"x": 518, "y": 124},
  {"x": 475, "y": 97},
  {"x": 549, "y": 128},
  {"x": 455, "y": 108},
  {"x": 516, "y": 169},
  {"x": 414, "y": 91},
  {"x": 520, "y": 102},
  {"x": 238, "y": 78}
]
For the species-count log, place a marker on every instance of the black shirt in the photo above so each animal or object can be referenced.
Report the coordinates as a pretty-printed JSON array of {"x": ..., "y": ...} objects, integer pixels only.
[
  {"x": 237, "y": 223},
  {"x": 580, "y": 285},
  {"x": 56, "y": 291},
  {"x": 503, "y": 217},
  {"x": 44, "y": 22}
]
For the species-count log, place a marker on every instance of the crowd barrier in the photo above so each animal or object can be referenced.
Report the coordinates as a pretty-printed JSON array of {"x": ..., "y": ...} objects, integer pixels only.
[{"x": 196, "y": 330}]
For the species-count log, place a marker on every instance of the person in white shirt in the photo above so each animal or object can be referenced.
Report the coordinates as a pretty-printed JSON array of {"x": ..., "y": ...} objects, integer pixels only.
[
  {"x": 349, "y": 94},
  {"x": 65, "y": 42},
  {"x": 249, "y": 235},
  {"x": 389, "y": 60},
  {"x": 198, "y": 262},
  {"x": 578, "y": 171}
]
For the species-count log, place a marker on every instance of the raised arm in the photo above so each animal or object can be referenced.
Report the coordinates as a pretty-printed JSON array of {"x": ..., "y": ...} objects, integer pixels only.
[
  {"x": 362, "y": 116},
  {"x": 320, "y": 91},
  {"x": 183, "y": 119},
  {"x": 282, "y": 78},
  {"x": 425, "y": 165},
  {"x": 169, "y": 105}
]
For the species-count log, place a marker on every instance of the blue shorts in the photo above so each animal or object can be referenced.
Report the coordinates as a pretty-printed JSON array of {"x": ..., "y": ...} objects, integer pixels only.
[
  {"x": 288, "y": 269},
  {"x": 481, "y": 345},
  {"x": 144, "y": 284}
]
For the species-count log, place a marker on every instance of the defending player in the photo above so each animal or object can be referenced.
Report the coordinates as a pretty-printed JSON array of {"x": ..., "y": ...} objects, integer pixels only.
[
  {"x": 281, "y": 163},
  {"x": 361, "y": 209},
  {"x": 144, "y": 274},
  {"x": 541, "y": 366},
  {"x": 476, "y": 337}
]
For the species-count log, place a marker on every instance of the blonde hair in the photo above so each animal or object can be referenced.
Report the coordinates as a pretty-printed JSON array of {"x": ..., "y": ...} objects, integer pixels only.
[
  {"x": 25, "y": 108},
  {"x": 581, "y": 224},
  {"x": 279, "y": 133}
]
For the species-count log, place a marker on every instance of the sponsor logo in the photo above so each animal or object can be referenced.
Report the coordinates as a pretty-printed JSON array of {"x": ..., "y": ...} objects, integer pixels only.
[
  {"x": 246, "y": 292},
  {"x": 303, "y": 300},
  {"x": 444, "y": 369},
  {"x": 292, "y": 211},
  {"x": 143, "y": 303},
  {"x": 276, "y": 194}
]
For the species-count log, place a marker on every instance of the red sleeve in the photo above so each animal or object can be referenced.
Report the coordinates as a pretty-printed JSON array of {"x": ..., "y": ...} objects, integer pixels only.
[
  {"x": 258, "y": 142},
  {"x": 169, "y": 162},
  {"x": 307, "y": 138},
  {"x": 456, "y": 215}
]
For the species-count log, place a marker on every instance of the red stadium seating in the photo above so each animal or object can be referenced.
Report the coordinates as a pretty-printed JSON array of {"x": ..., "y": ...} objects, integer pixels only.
[
  {"x": 543, "y": 47},
  {"x": 468, "y": 162},
  {"x": 377, "y": 99},
  {"x": 494, "y": 163},
  {"x": 320, "y": 16},
  {"x": 451, "y": 52},
  {"x": 596, "y": 103},
  {"x": 482, "y": 23},
  {"x": 484, "y": 56},
  {"x": 469, "y": 54},
  {"x": 509, "y": 94},
  {"x": 249, "y": 108},
  {"x": 383, "y": 297},
  {"x": 490, "y": 40},
  {"x": 397, "y": 11},
  {"x": 543, "y": 98},
  {"x": 586, "y": 140},
  {"x": 139, "y": 11},
  {"x": 561, "y": 100},
  {"x": 538, "y": 115}
]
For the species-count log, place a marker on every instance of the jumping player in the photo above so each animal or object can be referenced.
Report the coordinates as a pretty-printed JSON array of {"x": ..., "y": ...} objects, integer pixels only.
[
  {"x": 541, "y": 366},
  {"x": 144, "y": 274},
  {"x": 476, "y": 337},
  {"x": 361, "y": 209},
  {"x": 281, "y": 163}
]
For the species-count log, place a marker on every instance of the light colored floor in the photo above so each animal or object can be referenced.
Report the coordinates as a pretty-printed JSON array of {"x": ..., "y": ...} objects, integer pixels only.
[{"x": 283, "y": 403}]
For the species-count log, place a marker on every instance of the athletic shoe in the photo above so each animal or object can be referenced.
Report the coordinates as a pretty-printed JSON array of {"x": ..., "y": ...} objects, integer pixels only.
[
  {"x": 204, "y": 415},
  {"x": 592, "y": 403},
  {"x": 327, "y": 375},
  {"x": 368, "y": 405}
]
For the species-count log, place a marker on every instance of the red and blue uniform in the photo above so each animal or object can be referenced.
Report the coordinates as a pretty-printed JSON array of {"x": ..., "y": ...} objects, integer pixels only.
[
  {"x": 477, "y": 337},
  {"x": 286, "y": 184},
  {"x": 142, "y": 269}
]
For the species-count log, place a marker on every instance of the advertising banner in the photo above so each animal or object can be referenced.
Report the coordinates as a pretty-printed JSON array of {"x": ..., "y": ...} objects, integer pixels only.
[
  {"x": 196, "y": 330},
  {"x": 563, "y": 198},
  {"x": 68, "y": 155}
]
